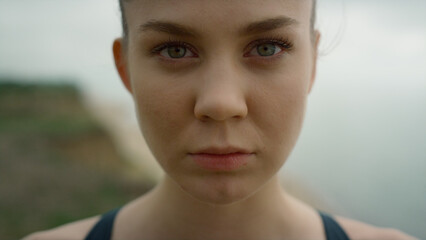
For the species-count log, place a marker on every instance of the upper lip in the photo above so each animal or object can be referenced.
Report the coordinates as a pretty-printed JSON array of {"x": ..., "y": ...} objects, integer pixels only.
[{"x": 222, "y": 150}]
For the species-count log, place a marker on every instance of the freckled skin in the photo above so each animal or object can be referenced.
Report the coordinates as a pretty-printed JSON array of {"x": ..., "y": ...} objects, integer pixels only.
[
  {"x": 222, "y": 93},
  {"x": 220, "y": 98}
]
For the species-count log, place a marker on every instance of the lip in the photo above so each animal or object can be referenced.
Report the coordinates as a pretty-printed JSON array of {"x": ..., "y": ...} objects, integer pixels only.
[
  {"x": 222, "y": 159},
  {"x": 222, "y": 150}
]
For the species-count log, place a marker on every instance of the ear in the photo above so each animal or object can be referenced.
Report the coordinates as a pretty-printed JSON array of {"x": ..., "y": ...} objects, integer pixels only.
[
  {"x": 120, "y": 58},
  {"x": 315, "y": 59}
]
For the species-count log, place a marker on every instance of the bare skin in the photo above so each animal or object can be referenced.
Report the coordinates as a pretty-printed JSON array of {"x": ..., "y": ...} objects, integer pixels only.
[
  {"x": 241, "y": 85},
  {"x": 78, "y": 230}
]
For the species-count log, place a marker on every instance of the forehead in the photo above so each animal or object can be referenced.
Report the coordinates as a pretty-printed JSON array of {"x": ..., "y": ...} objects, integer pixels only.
[{"x": 208, "y": 15}]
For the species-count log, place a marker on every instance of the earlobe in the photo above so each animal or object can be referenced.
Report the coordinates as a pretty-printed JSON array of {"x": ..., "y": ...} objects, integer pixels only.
[
  {"x": 315, "y": 60},
  {"x": 121, "y": 63}
]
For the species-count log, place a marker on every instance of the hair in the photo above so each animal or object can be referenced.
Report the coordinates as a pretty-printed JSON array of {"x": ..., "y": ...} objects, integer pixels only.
[
  {"x": 123, "y": 20},
  {"x": 126, "y": 28}
]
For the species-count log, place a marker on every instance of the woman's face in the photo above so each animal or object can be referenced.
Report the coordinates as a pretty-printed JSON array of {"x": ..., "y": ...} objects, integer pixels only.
[{"x": 220, "y": 88}]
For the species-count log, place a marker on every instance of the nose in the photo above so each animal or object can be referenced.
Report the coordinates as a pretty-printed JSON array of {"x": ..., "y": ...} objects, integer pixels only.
[{"x": 221, "y": 95}]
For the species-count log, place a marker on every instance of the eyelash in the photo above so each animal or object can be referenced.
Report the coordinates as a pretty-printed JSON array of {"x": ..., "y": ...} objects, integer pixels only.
[
  {"x": 171, "y": 43},
  {"x": 284, "y": 43}
]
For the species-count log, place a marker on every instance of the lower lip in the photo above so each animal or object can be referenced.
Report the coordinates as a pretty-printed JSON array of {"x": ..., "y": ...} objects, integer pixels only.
[{"x": 221, "y": 162}]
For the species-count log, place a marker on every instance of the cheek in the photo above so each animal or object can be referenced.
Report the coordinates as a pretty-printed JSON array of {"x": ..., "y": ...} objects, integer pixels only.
[
  {"x": 162, "y": 111},
  {"x": 278, "y": 111},
  {"x": 290, "y": 91}
]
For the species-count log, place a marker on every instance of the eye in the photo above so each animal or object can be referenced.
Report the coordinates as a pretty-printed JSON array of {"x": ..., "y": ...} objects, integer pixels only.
[
  {"x": 269, "y": 47},
  {"x": 266, "y": 50},
  {"x": 174, "y": 50}
]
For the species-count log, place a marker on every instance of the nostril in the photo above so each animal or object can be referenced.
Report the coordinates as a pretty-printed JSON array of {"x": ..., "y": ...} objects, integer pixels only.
[
  {"x": 221, "y": 100},
  {"x": 203, "y": 118},
  {"x": 220, "y": 110}
]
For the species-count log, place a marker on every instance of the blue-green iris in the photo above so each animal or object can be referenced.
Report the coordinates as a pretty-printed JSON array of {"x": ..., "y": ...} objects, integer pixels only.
[
  {"x": 176, "y": 52},
  {"x": 266, "y": 49}
]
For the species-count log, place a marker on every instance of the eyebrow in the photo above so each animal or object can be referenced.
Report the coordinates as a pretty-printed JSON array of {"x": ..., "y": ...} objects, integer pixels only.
[
  {"x": 252, "y": 28},
  {"x": 167, "y": 27},
  {"x": 268, "y": 25}
]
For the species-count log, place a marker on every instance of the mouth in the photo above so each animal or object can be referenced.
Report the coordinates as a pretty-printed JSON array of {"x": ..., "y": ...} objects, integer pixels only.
[{"x": 222, "y": 159}]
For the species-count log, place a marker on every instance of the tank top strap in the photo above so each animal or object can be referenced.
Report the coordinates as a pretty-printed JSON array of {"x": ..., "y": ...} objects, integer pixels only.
[
  {"x": 103, "y": 228},
  {"x": 332, "y": 229}
]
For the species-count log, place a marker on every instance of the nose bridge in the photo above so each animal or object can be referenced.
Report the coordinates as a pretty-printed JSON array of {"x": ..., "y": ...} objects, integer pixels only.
[
  {"x": 221, "y": 93},
  {"x": 221, "y": 71}
]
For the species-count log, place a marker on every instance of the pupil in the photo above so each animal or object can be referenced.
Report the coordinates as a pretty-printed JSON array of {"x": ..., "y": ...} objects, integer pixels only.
[
  {"x": 266, "y": 49},
  {"x": 177, "y": 52}
]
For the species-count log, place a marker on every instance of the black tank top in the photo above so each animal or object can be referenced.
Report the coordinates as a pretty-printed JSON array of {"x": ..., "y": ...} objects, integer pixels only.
[{"x": 103, "y": 229}]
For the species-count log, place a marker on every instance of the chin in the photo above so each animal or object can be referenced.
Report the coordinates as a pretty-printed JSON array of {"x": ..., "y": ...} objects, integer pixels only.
[{"x": 219, "y": 190}]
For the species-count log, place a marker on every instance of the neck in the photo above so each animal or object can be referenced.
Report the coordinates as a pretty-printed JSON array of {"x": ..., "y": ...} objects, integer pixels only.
[{"x": 267, "y": 210}]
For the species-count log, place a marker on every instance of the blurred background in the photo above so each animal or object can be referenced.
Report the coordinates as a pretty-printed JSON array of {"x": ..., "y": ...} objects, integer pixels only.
[{"x": 70, "y": 147}]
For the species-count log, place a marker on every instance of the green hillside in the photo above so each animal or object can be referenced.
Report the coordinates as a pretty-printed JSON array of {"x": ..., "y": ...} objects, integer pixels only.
[{"x": 57, "y": 164}]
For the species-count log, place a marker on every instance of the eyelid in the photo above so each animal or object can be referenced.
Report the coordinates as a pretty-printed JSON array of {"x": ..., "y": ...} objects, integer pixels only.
[
  {"x": 173, "y": 43},
  {"x": 283, "y": 43}
]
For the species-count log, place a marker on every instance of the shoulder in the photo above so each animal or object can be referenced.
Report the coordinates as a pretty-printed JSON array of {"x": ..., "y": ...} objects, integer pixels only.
[
  {"x": 359, "y": 230},
  {"x": 72, "y": 231}
]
